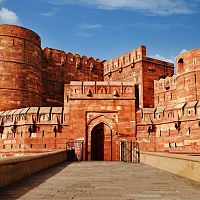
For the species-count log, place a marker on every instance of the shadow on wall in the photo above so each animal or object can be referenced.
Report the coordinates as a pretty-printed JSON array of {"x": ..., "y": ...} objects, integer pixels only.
[{"x": 20, "y": 188}]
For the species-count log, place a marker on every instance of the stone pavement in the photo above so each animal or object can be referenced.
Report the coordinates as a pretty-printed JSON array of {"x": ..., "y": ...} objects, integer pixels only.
[{"x": 103, "y": 181}]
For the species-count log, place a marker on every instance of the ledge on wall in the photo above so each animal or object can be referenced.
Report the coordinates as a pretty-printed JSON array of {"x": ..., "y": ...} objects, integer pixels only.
[{"x": 183, "y": 165}]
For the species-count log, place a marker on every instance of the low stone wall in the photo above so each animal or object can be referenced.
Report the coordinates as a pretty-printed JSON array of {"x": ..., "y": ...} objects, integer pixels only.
[
  {"x": 17, "y": 168},
  {"x": 183, "y": 165}
]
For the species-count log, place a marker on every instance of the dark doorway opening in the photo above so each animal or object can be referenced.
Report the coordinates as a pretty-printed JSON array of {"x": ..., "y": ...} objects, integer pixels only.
[{"x": 97, "y": 142}]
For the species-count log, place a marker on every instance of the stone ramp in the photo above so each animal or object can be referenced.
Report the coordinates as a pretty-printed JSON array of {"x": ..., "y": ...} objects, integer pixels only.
[{"x": 103, "y": 181}]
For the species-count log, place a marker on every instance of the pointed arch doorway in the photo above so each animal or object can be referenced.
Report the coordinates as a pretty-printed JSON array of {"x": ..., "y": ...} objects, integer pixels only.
[
  {"x": 101, "y": 137},
  {"x": 101, "y": 142}
]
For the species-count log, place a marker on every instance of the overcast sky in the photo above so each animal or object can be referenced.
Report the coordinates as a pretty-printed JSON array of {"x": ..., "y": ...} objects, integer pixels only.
[{"x": 108, "y": 28}]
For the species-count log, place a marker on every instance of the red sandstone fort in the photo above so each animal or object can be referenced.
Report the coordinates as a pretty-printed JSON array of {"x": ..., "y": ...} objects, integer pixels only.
[{"x": 49, "y": 97}]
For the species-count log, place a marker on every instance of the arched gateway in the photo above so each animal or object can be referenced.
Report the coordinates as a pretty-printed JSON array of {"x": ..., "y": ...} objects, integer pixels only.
[
  {"x": 101, "y": 138},
  {"x": 100, "y": 120}
]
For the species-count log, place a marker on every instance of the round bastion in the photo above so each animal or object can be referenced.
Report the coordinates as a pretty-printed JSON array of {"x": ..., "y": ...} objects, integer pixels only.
[
  {"x": 20, "y": 67},
  {"x": 188, "y": 76},
  {"x": 188, "y": 61}
]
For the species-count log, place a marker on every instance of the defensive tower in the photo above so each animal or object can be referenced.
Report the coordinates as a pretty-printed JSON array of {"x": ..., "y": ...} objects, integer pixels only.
[{"x": 20, "y": 67}]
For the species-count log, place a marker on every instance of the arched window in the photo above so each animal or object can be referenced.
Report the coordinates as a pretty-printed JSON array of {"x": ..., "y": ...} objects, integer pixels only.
[{"x": 180, "y": 65}]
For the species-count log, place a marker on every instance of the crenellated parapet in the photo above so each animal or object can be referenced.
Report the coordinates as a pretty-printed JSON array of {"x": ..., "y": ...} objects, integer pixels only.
[
  {"x": 163, "y": 85},
  {"x": 33, "y": 129},
  {"x": 99, "y": 90},
  {"x": 62, "y": 58},
  {"x": 60, "y": 68},
  {"x": 171, "y": 128},
  {"x": 29, "y": 120},
  {"x": 126, "y": 60}
]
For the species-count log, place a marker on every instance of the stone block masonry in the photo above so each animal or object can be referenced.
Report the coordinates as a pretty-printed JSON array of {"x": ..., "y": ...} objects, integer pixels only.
[
  {"x": 20, "y": 68},
  {"x": 183, "y": 165},
  {"x": 15, "y": 169},
  {"x": 49, "y": 97},
  {"x": 31, "y": 76}
]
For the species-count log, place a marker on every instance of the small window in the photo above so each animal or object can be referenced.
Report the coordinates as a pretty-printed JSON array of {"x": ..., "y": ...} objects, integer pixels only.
[
  {"x": 45, "y": 146},
  {"x": 180, "y": 61},
  {"x": 180, "y": 65},
  {"x": 194, "y": 61},
  {"x": 31, "y": 146},
  {"x": 189, "y": 131},
  {"x": 20, "y": 146},
  {"x": 4, "y": 146},
  {"x": 42, "y": 133}
]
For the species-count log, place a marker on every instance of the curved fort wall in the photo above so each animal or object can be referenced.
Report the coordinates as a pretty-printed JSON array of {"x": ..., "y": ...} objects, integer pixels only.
[
  {"x": 182, "y": 87},
  {"x": 31, "y": 76},
  {"x": 188, "y": 73},
  {"x": 20, "y": 67}
]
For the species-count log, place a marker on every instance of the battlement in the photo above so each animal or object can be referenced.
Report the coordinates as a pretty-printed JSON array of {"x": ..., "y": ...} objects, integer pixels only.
[
  {"x": 129, "y": 58},
  {"x": 31, "y": 115},
  {"x": 102, "y": 90},
  {"x": 78, "y": 61},
  {"x": 163, "y": 85}
]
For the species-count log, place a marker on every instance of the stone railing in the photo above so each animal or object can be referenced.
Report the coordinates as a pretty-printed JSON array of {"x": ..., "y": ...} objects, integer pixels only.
[
  {"x": 183, "y": 165},
  {"x": 16, "y": 168}
]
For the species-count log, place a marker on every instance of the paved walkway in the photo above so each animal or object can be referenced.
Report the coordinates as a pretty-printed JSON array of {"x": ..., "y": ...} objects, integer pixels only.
[{"x": 103, "y": 181}]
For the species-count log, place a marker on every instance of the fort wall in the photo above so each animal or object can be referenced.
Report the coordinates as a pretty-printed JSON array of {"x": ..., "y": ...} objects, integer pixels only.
[
  {"x": 135, "y": 66},
  {"x": 134, "y": 96},
  {"x": 87, "y": 104},
  {"x": 32, "y": 76},
  {"x": 20, "y": 67},
  {"x": 182, "y": 87},
  {"x": 111, "y": 103},
  {"x": 60, "y": 68},
  {"x": 173, "y": 125}
]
